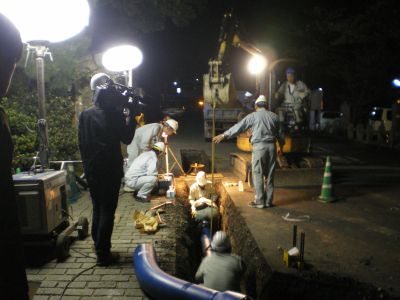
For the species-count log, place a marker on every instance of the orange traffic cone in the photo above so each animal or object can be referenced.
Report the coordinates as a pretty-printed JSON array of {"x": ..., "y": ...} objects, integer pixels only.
[{"x": 326, "y": 195}]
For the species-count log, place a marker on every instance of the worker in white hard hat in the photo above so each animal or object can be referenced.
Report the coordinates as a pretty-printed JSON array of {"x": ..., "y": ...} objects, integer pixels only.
[
  {"x": 264, "y": 127},
  {"x": 202, "y": 198},
  {"x": 221, "y": 270},
  {"x": 142, "y": 174},
  {"x": 147, "y": 135}
]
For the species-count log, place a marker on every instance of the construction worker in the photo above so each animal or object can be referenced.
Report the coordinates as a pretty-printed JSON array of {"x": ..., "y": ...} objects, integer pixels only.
[
  {"x": 264, "y": 127},
  {"x": 13, "y": 283},
  {"x": 293, "y": 92},
  {"x": 147, "y": 135},
  {"x": 202, "y": 199},
  {"x": 221, "y": 270},
  {"x": 142, "y": 174},
  {"x": 102, "y": 128}
]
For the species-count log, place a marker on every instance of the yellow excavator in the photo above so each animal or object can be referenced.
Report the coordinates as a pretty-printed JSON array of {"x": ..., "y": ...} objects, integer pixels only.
[{"x": 222, "y": 108}]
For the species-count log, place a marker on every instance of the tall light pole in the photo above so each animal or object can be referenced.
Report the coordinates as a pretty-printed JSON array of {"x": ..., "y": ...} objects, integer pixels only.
[
  {"x": 40, "y": 23},
  {"x": 122, "y": 59}
]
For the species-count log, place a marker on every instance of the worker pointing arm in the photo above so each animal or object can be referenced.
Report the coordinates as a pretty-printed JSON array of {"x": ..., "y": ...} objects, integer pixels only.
[
  {"x": 242, "y": 126},
  {"x": 265, "y": 131}
]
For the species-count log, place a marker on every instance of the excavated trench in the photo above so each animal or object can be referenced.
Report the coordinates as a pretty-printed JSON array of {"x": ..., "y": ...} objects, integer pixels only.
[{"x": 260, "y": 281}]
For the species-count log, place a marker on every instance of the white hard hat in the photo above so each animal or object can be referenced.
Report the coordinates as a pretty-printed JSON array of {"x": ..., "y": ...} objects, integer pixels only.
[
  {"x": 98, "y": 79},
  {"x": 160, "y": 146},
  {"x": 220, "y": 242},
  {"x": 261, "y": 98},
  {"x": 173, "y": 124},
  {"x": 201, "y": 178}
]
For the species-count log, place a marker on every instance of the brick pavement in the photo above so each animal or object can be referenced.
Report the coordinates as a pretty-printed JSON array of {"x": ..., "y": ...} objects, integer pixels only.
[{"x": 87, "y": 281}]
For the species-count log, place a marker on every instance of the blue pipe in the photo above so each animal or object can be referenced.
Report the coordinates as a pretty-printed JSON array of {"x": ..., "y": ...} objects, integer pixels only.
[{"x": 160, "y": 285}]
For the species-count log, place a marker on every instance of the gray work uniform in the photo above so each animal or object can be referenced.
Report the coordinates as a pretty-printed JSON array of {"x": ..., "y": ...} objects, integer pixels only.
[
  {"x": 265, "y": 130},
  {"x": 142, "y": 174},
  {"x": 293, "y": 95},
  {"x": 206, "y": 213},
  {"x": 221, "y": 272},
  {"x": 144, "y": 138}
]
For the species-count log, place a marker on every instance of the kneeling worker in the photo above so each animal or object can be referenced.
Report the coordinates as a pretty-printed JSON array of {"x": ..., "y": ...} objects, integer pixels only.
[
  {"x": 142, "y": 174},
  {"x": 221, "y": 270},
  {"x": 147, "y": 135},
  {"x": 202, "y": 197}
]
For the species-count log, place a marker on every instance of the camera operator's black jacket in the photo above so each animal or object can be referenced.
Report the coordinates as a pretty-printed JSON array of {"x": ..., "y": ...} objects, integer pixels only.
[{"x": 101, "y": 129}]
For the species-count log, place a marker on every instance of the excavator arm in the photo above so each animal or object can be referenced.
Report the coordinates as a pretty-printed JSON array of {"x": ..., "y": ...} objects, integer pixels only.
[{"x": 218, "y": 85}]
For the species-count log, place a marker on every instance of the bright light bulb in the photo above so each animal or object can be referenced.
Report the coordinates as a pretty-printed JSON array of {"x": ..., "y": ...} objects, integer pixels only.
[
  {"x": 257, "y": 64},
  {"x": 122, "y": 58},
  {"x": 396, "y": 82},
  {"x": 47, "y": 20}
]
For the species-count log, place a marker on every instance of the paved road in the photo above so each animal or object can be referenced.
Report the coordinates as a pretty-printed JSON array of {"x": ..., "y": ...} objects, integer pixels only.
[{"x": 358, "y": 236}]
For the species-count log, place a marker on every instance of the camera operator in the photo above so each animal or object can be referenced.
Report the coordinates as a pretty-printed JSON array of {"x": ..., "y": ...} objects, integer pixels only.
[
  {"x": 101, "y": 129},
  {"x": 13, "y": 283}
]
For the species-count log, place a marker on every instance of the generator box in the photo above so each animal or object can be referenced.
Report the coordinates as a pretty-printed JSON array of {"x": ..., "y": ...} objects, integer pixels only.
[{"x": 42, "y": 201}]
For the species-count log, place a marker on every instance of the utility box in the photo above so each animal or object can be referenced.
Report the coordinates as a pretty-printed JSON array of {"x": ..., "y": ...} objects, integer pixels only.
[{"x": 42, "y": 202}]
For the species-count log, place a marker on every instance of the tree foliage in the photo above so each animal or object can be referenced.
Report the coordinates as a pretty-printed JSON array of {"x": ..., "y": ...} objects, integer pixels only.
[
  {"x": 67, "y": 78},
  {"x": 64, "y": 79},
  {"x": 149, "y": 15},
  {"x": 353, "y": 50}
]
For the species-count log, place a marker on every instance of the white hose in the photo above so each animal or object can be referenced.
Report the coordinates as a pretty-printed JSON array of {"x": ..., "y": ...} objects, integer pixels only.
[{"x": 298, "y": 219}]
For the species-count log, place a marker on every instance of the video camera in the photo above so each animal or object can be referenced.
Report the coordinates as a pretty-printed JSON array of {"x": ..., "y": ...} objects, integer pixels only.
[{"x": 112, "y": 95}]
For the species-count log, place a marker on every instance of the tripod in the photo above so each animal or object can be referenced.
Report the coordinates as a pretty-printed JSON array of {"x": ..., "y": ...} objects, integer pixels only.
[{"x": 168, "y": 151}]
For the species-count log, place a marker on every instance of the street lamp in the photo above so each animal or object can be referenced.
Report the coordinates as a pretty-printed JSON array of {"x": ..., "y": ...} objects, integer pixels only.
[
  {"x": 123, "y": 58},
  {"x": 41, "y": 22},
  {"x": 256, "y": 66},
  {"x": 396, "y": 83}
]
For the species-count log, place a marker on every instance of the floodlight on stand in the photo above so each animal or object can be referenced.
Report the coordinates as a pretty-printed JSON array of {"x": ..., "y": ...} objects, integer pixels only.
[
  {"x": 47, "y": 20},
  {"x": 123, "y": 58},
  {"x": 41, "y": 22}
]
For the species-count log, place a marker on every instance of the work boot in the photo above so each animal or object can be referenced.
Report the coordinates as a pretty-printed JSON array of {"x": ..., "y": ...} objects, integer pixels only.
[
  {"x": 127, "y": 189},
  {"x": 105, "y": 260},
  {"x": 141, "y": 199},
  {"x": 255, "y": 205}
]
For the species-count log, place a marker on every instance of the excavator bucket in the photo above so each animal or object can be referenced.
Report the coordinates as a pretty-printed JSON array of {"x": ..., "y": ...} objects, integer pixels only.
[{"x": 218, "y": 87}]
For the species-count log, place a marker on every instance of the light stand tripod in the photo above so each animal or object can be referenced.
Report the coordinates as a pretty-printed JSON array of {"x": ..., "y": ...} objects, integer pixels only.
[{"x": 168, "y": 151}]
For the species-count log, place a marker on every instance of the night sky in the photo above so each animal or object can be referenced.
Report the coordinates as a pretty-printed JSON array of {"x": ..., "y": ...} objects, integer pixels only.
[{"x": 277, "y": 27}]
